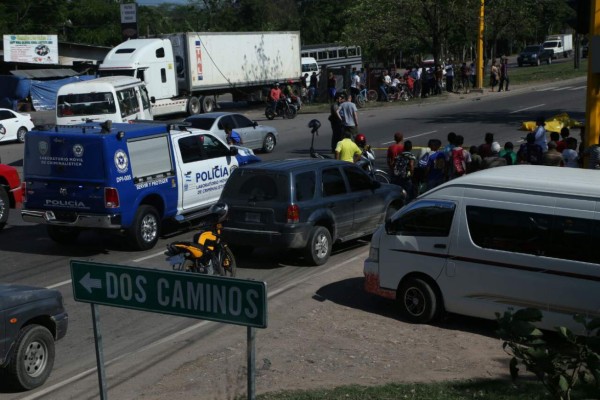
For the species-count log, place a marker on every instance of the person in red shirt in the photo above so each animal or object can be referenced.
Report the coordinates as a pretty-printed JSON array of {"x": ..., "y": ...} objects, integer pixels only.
[
  {"x": 275, "y": 92},
  {"x": 395, "y": 149},
  {"x": 561, "y": 145}
]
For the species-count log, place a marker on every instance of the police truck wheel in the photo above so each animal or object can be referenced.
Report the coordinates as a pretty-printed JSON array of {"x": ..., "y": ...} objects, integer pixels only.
[
  {"x": 145, "y": 229},
  {"x": 4, "y": 207},
  {"x": 62, "y": 234},
  {"x": 33, "y": 358},
  {"x": 21, "y": 134},
  {"x": 417, "y": 301},
  {"x": 269, "y": 143},
  {"x": 193, "y": 106},
  {"x": 319, "y": 246}
]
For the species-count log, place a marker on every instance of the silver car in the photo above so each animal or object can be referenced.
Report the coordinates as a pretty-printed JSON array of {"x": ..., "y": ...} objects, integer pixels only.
[{"x": 253, "y": 135}]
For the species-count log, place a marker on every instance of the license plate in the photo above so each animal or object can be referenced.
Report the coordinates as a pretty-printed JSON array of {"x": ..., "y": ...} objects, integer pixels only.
[{"x": 252, "y": 217}]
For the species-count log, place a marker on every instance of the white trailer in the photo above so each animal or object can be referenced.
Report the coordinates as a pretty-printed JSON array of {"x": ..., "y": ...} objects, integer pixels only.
[
  {"x": 185, "y": 72},
  {"x": 561, "y": 45}
]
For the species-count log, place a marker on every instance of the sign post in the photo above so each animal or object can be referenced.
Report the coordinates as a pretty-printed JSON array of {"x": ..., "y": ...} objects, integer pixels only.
[{"x": 208, "y": 297}]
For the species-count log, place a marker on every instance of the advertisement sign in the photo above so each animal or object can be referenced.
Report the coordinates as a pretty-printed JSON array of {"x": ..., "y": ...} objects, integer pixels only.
[
  {"x": 129, "y": 23},
  {"x": 33, "y": 49}
]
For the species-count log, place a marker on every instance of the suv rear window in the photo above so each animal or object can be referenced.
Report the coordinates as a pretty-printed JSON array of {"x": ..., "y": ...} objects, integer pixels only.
[{"x": 256, "y": 187}]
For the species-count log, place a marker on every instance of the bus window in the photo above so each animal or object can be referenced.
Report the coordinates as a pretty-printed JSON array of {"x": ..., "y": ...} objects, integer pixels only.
[
  {"x": 342, "y": 52},
  {"x": 352, "y": 51},
  {"x": 322, "y": 55},
  {"x": 332, "y": 54}
]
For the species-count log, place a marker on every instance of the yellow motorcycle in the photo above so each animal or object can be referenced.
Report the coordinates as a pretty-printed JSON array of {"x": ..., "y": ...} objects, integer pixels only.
[{"x": 207, "y": 253}]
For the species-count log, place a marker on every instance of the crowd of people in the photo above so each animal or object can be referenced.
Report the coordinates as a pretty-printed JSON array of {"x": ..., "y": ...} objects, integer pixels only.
[{"x": 438, "y": 164}]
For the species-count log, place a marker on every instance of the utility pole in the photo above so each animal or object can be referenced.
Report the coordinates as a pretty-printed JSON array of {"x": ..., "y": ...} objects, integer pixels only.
[
  {"x": 592, "y": 112},
  {"x": 480, "y": 55}
]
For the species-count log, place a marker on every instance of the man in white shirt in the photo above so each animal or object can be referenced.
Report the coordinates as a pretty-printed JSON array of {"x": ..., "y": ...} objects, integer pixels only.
[
  {"x": 354, "y": 85},
  {"x": 540, "y": 134}
]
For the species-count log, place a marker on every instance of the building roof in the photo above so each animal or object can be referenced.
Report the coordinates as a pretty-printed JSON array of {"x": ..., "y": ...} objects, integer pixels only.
[{"x": 44, "y": 73}]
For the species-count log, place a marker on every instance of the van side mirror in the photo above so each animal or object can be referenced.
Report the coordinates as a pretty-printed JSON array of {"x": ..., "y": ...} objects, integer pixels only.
[
  {"x": 152, "y": 99},
  {"x": 389, "y": 227},
  {"x": 233, "y": 151},
  {"x": 254, "y": 124}
]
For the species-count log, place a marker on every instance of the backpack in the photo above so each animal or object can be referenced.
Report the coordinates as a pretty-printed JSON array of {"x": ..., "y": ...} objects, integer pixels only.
[
  {"x": 424, "y": 160},
  {"x": 400, "y": 167},
  {"x": 458, "y": 161}
]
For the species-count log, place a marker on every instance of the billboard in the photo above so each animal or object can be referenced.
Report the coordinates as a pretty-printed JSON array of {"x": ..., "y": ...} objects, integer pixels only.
[{"x": 33, "y": 49}]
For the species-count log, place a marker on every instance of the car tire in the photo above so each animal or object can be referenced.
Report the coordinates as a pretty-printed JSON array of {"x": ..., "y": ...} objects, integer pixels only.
[
  {"x": 268, "y": 143},
  {"x": 62, "y": 234},
  {"x": 33, "y": 357},
  {"x": 145, "y": 230},
  {"x": 21, "y": 134},
  {"x": 417, "y": 301},
  {"x": 318, "y": 248},
  {"x": 4, "y": 207},
  {"x": 193, "y": 106}
]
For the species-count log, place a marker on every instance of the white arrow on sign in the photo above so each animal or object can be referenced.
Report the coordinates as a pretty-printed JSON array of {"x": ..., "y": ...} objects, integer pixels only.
[{"x": 89, "y": 283}]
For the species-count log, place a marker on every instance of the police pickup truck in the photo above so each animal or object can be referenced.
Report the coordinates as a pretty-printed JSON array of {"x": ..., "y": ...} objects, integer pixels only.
[{"x": 130, "y": 178}]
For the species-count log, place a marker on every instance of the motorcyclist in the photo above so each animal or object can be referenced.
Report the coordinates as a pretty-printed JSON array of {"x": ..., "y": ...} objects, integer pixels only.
[
  {"x": 367, "y": 155},
  {"x": 288, "y": 90}
]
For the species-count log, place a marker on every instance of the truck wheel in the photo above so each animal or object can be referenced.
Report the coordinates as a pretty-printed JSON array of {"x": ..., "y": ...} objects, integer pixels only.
[
  {"x": 145, "y": 229},
  {"x": 318, "y": 248},
  {"x": 193, "y": 106},
  {"x": 208, "y": 104},
  {"x": 62, "y": 234},
  {"x": 33, "y": 358},
  {"x": 269, "y": 143},
  {"x": 417, "y": 301},
  {"x": 4, "y": 207},
  {"x": 21, "y": 134}
]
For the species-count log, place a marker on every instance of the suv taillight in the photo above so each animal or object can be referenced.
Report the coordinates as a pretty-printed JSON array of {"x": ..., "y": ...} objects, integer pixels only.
[
  {"x": 293, "y": 213},
  {"x": 111, "y": 197}
]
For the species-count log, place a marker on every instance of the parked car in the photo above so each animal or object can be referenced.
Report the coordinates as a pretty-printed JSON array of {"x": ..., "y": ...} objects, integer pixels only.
[
  {"x": 15, "y": 125},
  {"x": 535, "y": 55},
  {"x": 253, "y": 135},
  {"x": 305, "y": 204},
  {"x": 32, "y": 319},
  {"x": 10, "y": 191}
]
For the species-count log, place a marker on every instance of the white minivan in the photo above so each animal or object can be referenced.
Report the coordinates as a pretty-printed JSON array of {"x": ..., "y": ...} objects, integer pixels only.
[
  {"x": 115, "y": 98},
  {"x": 509, "y": 237}
]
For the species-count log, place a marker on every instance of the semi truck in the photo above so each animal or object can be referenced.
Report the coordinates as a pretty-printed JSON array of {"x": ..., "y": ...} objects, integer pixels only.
[
  {"x": 185, "y": 72},
  {"x": 561, "y": 45}
]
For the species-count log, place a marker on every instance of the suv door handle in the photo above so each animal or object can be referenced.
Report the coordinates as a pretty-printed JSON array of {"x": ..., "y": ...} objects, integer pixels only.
[{"x": 439, "y": 246}]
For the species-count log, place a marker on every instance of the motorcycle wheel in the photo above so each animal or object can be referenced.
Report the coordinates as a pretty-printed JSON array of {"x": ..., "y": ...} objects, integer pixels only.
[
  {"x": 381, "y": 177},
  {"x": 290, "y": 113},
  {"x": 228, "y": 265},
  {"x": 269, "y": 113},
  {"x": 360, "y": 101}
]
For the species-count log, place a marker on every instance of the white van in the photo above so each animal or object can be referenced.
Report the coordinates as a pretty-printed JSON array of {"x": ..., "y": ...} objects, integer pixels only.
[
  {"x": 309, "y": 65},
  {"x": 508, "y": 237},
  {"x": 115, "y": 98}
]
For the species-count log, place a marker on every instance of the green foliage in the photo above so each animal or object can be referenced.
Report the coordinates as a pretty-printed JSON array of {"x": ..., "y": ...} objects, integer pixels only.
[{"x": 559, "y": 362}]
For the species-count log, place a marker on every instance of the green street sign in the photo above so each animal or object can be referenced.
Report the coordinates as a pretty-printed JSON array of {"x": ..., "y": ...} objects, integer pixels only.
[{"x": 214, "y": 298}]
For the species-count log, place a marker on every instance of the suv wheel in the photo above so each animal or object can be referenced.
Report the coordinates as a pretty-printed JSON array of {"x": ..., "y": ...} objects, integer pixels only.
[
  {"x": 33, "y": 357},
  {"x": 319, "y": 246},
  {"x": 145, "y": 229}
]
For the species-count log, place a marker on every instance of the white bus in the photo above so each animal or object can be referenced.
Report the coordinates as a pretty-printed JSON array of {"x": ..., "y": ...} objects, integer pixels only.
[
  {"x": 497, "y": 239},
  {"x": 115, "y": 98},
  {"x": 334, "y": 55}
]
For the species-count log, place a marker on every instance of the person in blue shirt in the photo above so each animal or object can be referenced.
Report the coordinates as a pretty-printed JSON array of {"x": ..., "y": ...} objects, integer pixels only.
[{"x": 232, "y": 136}]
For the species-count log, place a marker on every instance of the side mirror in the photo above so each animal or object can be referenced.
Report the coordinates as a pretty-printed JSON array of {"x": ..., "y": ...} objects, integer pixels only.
[
  {"x": 388, "y": 227},
  {"x": 152, "y": 99},
  {"x": 254, "y": 124},
  {"x": 233, "y": 151}
]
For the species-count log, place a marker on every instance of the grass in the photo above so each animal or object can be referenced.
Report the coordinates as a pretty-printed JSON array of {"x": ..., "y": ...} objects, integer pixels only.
[
  {"x": 461, "y": 390},
  {"x": 547, "y": 73}
]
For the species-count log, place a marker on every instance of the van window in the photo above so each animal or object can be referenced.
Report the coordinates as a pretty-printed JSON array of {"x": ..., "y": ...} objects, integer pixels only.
[
  {"x": 128, "y": 102},
  {"x": 305, "y": 184},
  {"x": 150, "y": 157},
  {"x": 572, "y": 239},
  {"x": 86, "y": 104},
  {"x": 144, "y": 96},
  {"x": 509, "y": 230},
  {"x": 333, "y": 182},
  {"x": 358, "y": 179},
  {"x": 425, "y": 218}
]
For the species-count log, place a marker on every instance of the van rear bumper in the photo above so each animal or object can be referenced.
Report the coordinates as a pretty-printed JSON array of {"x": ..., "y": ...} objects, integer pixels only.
[{"x": 104, "y": 221}]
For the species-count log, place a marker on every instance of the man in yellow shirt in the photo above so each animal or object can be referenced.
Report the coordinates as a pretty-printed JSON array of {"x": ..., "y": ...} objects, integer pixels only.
[{"x": 347, "y": 150}]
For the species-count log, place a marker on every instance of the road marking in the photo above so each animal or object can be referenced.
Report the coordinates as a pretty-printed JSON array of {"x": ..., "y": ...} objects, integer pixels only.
[
  {"x": 148, "y": 257},
  {"x": 578, "y": 87},
  {"x": 175, "y": 335},
  {"x": 58, "y": 284},
  {"x": 545, "y": 89},
  {"x": 562, "y": 88},
  {"x": 410, "y": 137},
  {"x": 526, "y": 108}
]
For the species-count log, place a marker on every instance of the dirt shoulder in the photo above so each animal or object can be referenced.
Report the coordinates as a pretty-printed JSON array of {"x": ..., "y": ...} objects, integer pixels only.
[{"x": 328, "y": 332}]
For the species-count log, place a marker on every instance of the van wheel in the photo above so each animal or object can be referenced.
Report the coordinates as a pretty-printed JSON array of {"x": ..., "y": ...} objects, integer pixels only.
[
  {"x": 269, "y": 143},
  {"x": 145, "y": 229},
  {"x": 62, "y": 234},
  {"x": 417, "y": 301},
  {"x": 33, "y": 357},
  {"x": 319, "y": 246},
  {"x": 193, "y": 106},
  {"x": 4, "y": 207}
]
